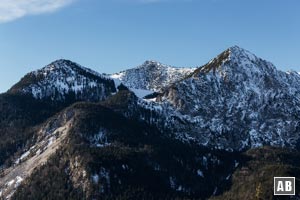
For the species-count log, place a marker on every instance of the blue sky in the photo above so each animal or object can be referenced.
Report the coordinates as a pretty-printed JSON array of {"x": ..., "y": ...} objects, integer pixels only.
[{"x": 111, "y": 35}]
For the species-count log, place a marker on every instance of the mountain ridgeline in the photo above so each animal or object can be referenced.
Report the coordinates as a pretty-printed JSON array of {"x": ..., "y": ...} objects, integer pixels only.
[
  {"x": 220, "y": 131},
  {"x": 65, "y": 81}
]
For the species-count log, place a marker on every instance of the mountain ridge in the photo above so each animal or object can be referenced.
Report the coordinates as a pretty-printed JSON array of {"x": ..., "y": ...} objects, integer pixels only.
[
  {"x": 236, "y": 84},
  {"x": 94, "y": 136},
  {"x": 228, "y": 92},
  {"x": 63, "y": 79},
  {"x": 151, "y": 75}
]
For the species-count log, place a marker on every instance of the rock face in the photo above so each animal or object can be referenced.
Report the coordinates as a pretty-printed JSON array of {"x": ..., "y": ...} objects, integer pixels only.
[{"x": 65, "y": 80}]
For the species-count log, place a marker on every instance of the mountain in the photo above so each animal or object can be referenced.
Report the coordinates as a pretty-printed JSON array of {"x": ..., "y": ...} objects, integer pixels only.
[
  {"x": 151, "y": 75},
  {"x": 220, "y": 131},
  {"x": 42, "y": 93},
  {"x": 64, "y": 80},
  {"x": 236, "y": 101}
]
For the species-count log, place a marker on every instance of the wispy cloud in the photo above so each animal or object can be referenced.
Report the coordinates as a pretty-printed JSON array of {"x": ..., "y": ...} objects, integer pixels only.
[{"x": 14, "y": 9}]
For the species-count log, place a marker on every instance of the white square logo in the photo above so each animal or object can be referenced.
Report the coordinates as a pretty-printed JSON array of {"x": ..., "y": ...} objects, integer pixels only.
[{"x": 284, "y": 185}]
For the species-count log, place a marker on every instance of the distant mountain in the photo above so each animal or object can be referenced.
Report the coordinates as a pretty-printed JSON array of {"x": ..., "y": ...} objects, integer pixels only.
[
  {"x": 65, "y": 80},
  {"x": 220, "y": 131},
  {"x": 236, "y": 101},
  {"x": 151, "y": 76}
]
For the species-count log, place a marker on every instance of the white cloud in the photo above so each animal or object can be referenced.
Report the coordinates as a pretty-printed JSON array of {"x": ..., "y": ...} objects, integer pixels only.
[{"x": 14, "y": 9}]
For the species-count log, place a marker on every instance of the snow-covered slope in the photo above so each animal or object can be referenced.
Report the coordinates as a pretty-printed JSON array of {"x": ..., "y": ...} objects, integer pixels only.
[
  {"x": 64, "y": 80},
  {"x": 235, "y": 101},
  {"x": 151, "y": 76}
]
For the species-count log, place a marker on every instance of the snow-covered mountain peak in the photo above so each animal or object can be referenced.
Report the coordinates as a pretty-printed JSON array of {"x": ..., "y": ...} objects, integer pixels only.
[
  {"x": 150, "y": 63},
  {"x": 64, "y": 79},
  {"x": 56, "y": 67},
  {"x": 154, "y": 66},
  {"x": 65, "y": 66},
  {"x": 61, "y": 64},
  {"x": 237, "y": 52},
  {"x": 240, "y": 94},
  {"x": 151, "y": 75},
  {"x": 236, "y": 61}
]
